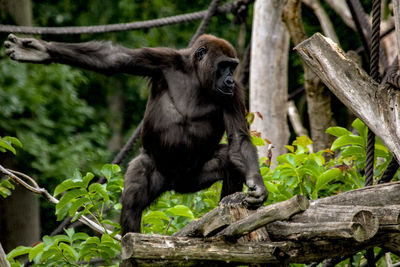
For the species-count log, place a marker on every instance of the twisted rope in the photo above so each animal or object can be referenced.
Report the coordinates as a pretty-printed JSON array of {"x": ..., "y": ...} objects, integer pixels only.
[
  {"x": 226, "y": 8},
  {"x": 364, "y": 29},
  {"x": 374, "y": 72},
  {"x": 206, "y": 21},
  {"x": 389, "y": 172}
]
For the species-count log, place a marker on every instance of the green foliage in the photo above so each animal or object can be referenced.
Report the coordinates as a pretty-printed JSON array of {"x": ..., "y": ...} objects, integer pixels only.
[
  {"x": 309, "y": 174},
  {"x": 172, "y": 211},
  {"x": 80, "y": 196},
  {"x": 68, "y": 250},
  {"x": 8, "y": 143}
]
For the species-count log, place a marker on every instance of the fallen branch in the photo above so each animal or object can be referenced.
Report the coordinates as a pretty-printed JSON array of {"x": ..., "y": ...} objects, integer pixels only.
[
  {"x": 378, "y": 106},
  {"x": 41, "y": 191}
]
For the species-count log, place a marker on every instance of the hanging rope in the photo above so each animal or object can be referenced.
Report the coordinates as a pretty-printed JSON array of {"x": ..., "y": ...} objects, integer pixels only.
[
  {"x": 226, "y": 8},
  {"x": 374, "y": 72},
  {"x": 206, "y": 21}
]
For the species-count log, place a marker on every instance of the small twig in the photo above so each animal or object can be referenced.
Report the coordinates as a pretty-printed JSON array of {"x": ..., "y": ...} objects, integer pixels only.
[
  {"x": 169, "y": 225},
  {"x": 37, "y": 190}
]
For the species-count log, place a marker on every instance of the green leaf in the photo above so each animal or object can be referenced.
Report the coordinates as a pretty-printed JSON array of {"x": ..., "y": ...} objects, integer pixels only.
[
  {"x": 99, "y": 189},
  {"x": 257, "y": 141},
  {"x": 13, "y": 141},
  {"x": 35, "y": 251},
  {"x": 302, "y": 141},
  {"x": 353, "y": 151},
  {"x": 77, "y": 204},
  {"x": 86, "y": 180},
  {"x": 116, "y": 168},
  {"x": 272, "y": 188},
  {"x": 181, "y": 210},
  {"x": 7, "y": 146},
  {"x": 18, "y": 251},
  {"x": 69, "y": 197},
  {"x": 360, "y": 127},
  {"x": 107, "y": 171},
  {"x": 348, "y": 140},
  {"x": 338, "y": 131},
  {"x": 69, "y": 251},
  {"x": 324, "y": 179},
  {"x": 66, "y": 185}
]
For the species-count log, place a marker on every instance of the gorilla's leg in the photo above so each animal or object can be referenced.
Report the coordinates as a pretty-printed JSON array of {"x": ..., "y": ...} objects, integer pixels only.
[
  {"x": 219, "y": 167},
  {"x": 143, "y": 184}
]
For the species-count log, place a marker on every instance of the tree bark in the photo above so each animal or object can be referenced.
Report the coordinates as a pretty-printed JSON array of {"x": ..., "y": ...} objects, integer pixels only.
[
  {"x": 20, "y": 10},
  {"x": 318, "y": 98},
  {"x": 396, "y": 11},
  {"x": 378, "y": 106},
  {"x": 19, "y": 213},
  {"x": 268, "y": 75}
]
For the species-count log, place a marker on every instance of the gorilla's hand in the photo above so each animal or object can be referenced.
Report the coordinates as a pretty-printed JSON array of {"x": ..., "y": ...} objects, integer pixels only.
[
  {"x": 257, "y": 192},
  {"x": 26, "y": 49}
]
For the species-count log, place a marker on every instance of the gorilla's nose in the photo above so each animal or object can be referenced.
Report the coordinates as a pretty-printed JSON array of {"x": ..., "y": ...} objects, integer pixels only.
[{"x": 229, "y": 82}]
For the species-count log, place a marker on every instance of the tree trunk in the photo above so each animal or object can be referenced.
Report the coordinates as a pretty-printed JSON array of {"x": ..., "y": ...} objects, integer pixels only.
[
  {"x": 268, "y": 75},
  {"x": 20, "y": 10},
  {"x": 318, "y": 97},
  {"x": 19, "y": 213},
  {"x": 377, "y": 106}
]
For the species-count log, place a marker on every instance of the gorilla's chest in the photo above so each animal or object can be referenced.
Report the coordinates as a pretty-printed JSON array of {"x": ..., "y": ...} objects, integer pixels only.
[{"x": 179, "y": 132}]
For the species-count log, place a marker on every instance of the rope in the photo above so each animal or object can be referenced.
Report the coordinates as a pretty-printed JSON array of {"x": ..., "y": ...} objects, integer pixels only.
[
  {"x": 364, "y": 29},
  {"x": 206, "y": 21},
  {"x": 226, "y": 8},
  {"x": 389, "y": 172},
  {"x": 374, "y": 72}
]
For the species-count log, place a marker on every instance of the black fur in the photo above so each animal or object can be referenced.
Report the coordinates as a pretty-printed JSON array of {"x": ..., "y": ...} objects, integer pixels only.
[{"x": 193, "y": 101}]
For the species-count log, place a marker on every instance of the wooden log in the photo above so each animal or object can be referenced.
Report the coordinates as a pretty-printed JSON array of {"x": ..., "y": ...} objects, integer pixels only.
[
  {"x": 310, "y": 231},
  {"x": 193, "y": 250},
  {"x": 368, "y": 223},
  {"x": 375, "y": 196},
  {"x": 279, "y": 211},
  {"x": 231, "y": 209},
  {"x": 377, "y": 106},
  {"x": 156, "y": 250}
]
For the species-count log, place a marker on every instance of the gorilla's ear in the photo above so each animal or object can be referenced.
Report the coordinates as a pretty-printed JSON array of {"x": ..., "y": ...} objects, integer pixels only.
[{"x": 201, "y": 52}]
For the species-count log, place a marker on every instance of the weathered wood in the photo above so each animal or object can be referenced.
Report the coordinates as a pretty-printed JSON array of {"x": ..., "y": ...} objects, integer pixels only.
[
  {"x": 279, "y": 211},
  {"x": 158, "y": 250},
  {"x": 375, "y": 196},
  {"x": 137, "y": 246},
  {"x": 368, "y": 223},
  {"x": 378, "y": 106},
  {"x": 231, "y": 209},
  {"x": 311, "y": 231},
  {"x": 396, "y": 11}
]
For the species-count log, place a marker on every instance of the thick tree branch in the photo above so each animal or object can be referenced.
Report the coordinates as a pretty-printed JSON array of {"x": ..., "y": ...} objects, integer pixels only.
[{"x": 378, "y": 106}]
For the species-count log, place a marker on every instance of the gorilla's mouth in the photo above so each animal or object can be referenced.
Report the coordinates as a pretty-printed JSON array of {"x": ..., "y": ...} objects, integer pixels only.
[{"x": 226, "y": 90}]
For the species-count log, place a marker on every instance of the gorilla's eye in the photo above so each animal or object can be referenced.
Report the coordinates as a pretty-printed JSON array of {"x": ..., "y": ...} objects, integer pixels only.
[{"x": 200, "y": 53}]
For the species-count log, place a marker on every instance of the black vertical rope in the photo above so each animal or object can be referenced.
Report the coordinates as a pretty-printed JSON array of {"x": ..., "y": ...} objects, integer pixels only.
[
  {"x": 206, "y": 21},
  {"x": 374, "y": 72},
  {"x": 364, "y": 29},
  {"x": 389, "y": 172}
]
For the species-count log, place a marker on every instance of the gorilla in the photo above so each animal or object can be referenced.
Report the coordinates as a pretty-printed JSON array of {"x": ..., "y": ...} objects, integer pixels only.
[{"x": 193, "y": 101}]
